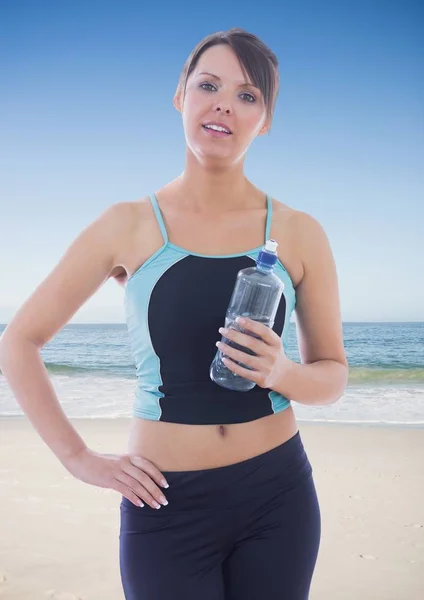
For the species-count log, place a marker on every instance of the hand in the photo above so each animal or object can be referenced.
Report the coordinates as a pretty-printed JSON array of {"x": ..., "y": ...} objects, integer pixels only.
[
  {"x": 133, "y": 476},
  {"x": 269, "y": 357}
]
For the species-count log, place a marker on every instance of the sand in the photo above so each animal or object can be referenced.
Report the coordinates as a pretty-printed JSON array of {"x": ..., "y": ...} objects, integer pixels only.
[{"x": 59, "y": 536}]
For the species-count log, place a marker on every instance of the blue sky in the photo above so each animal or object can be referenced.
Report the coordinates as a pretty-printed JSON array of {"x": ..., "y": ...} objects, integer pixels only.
[{"x": 87, "y": 120}]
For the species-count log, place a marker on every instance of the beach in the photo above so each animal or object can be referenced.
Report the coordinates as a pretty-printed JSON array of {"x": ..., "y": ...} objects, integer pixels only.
[{"x": 60, "y": 537}]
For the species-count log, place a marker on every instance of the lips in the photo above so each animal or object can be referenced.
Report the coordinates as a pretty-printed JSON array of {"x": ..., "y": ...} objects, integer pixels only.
[
  {"x": 213, "y": 133},
  {"x": 218, "y": 124}
]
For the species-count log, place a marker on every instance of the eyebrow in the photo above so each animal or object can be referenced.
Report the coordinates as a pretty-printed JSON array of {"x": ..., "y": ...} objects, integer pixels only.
[{"x": 242, "y": 84}]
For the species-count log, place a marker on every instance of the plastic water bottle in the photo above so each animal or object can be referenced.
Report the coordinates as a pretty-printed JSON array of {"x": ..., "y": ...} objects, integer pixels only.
[{"x": 256, "y": 295}]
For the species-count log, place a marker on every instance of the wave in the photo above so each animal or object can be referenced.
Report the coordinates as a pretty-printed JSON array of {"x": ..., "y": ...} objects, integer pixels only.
[
  {"x": 357, "y": 375},
  {"x": 106, "y": 370},
  {"x": 373, "y": 375}
]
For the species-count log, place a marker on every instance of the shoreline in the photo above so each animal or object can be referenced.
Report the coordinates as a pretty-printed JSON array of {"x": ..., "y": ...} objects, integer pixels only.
[{"x": 322, "y": 422}]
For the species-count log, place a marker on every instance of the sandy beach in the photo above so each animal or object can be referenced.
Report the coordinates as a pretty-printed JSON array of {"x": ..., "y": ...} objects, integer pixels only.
[{"x": 59, "y": 536}]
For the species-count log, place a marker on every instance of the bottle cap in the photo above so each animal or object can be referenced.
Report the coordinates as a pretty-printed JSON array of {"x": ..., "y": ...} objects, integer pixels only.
[
  {"x": 271, "y": 246},
  {"x": 268, "y": 255}
]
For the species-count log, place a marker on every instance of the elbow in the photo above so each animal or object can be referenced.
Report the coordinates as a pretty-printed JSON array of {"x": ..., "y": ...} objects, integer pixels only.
[
  {"x": 10, "y": 344},
  {"x": 5, "y": 349},
  {"x": 341, "y": 382},
  {"x": 6, "y": 339}
]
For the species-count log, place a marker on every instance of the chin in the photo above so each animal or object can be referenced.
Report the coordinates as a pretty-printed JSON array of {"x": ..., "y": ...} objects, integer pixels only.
[
  {"x": 215, "y": 158},
  {"x": 204, "y": 152}
]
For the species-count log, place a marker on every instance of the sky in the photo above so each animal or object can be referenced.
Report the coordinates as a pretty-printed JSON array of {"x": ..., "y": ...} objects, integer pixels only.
[{"x": 87, "y": 120}]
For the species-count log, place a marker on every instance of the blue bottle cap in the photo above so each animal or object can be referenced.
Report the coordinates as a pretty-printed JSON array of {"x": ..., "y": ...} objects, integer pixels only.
[{"x": 268, "y": 255}]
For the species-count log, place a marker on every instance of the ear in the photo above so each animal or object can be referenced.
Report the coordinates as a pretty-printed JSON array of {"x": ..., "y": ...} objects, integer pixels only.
[
  {"x": 178, "y": 100},
  {"x": 265, "y": 127}
]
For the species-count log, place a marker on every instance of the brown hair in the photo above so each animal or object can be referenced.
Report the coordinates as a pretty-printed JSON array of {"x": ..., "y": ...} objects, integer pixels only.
[{"x": 256, "y": 60}]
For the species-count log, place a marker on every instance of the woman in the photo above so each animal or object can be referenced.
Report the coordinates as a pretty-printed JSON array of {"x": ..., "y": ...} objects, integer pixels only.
[{"x": 238, "y": 513}]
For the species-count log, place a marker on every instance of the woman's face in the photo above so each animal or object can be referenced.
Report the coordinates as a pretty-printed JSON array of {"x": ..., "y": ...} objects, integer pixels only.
[{"x": 217, "y": 91}]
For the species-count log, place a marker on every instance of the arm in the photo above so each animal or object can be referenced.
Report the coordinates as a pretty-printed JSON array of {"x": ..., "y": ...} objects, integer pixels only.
[
  {"x": 322, "y": 376},
  {"x": 85, "y": 266}
]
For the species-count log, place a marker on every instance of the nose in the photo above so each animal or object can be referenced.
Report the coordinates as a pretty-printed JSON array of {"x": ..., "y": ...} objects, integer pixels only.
[
  {"x": 219, "y": 109},
  {"x": 223, "y": 107}
]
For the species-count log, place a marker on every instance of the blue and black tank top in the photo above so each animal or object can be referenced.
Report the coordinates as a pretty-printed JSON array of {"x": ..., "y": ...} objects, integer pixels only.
[{"x": 174, "y": 304}]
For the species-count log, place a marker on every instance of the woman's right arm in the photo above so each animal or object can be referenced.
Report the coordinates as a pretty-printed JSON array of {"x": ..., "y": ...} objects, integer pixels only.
[{"x": 83, "y": 269}]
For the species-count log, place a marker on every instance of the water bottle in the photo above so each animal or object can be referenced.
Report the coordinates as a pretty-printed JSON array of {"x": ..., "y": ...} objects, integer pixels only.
[{"x": 256, "y": 295}]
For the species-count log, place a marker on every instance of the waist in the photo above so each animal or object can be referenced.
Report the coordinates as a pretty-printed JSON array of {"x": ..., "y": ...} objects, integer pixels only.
[
  {"x": 182, "y": 447},
  {"x": 256, "y": 483}
]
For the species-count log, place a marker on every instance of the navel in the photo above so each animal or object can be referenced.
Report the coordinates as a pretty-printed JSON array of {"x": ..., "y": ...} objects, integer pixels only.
[{"x": 222, "y": 430}]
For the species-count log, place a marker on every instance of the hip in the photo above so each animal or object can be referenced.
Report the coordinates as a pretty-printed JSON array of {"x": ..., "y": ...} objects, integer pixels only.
[{"x": 265, "y": 480}]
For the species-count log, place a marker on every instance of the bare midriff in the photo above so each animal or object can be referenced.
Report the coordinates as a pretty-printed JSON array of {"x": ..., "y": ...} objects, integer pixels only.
[{"x": 180, "y": 447}]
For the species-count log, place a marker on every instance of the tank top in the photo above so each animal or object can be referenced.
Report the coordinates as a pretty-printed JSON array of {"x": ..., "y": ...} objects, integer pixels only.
[{"x": 174, "y": 304}]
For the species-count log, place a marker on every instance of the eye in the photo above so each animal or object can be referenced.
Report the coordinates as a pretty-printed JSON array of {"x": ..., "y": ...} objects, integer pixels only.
[
  {"x": 253, "y": 99},
  {"x": 202, "y": 84}
]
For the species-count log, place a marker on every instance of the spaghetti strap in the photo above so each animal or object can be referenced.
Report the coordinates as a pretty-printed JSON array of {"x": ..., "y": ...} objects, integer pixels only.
[
  {"x": 161, "y": 222},
  {"x": 159, "y": 217},
  {"x": 268, "y": 217}
]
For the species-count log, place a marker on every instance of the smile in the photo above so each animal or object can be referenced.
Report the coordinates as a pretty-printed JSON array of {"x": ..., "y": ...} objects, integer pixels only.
[{"x": 215, "y": 132}]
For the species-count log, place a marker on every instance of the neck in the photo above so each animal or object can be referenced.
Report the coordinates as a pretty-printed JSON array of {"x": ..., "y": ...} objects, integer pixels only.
[{"x": 212, "y": 189}]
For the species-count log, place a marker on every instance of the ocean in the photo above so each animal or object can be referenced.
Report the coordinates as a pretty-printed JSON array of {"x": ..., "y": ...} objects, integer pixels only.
[{"x": 91, "y": 369}]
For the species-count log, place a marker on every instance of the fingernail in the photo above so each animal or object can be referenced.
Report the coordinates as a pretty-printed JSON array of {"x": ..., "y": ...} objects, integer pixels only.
[
  {"x": 156, "y": 505},
  {"x": 165, "y": 484},
  {"x": 240, "y": 320}
]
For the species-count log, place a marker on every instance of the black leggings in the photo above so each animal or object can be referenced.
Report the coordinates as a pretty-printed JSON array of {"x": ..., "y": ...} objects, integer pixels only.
[{"x": 246, "y": 531}]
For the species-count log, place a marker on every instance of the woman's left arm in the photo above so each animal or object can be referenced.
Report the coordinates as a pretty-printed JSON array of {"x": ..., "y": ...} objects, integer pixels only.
[{"x": 322, "y": 375}]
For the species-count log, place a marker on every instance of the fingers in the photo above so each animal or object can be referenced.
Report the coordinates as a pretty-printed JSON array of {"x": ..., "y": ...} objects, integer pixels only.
[
  {"x": 127, "y": 493},
  {"x": 257, "y": 329},
  {"x": 251, "y": 341},
  {"x": 149, "y": 468},
  {"x": 144, "y": 488},
  {"x": 141, "y": 476},
  {"x": 254, "y": 376},
  {"x": 237, "y": 355}
]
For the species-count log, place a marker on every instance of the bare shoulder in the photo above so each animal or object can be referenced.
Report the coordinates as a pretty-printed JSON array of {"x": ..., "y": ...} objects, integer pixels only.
[
  {"x": 283, "y": 214},
  {"x": 297, "y": 218},
  {"x": 137, "y": 229},
  {"x": 305, "y": 232},
  {"x": 117, "y": 220},
  {"x": 129, "y": 216},
  {"x": 309, "y": 231},
  {"x": 306, "y": 220},
  {"x": 136, "y": 212},
  {"x": 313, "y": 245},
  {"x": 127, "y": 213},
  {"x": 284, "y": 232}
]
